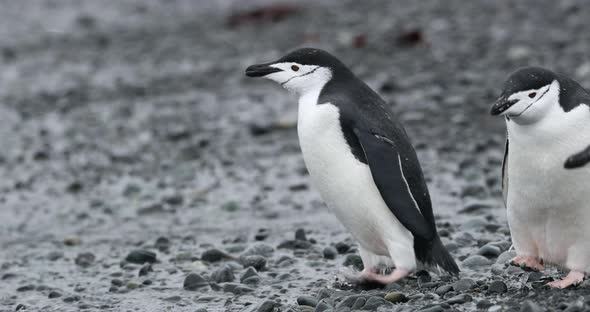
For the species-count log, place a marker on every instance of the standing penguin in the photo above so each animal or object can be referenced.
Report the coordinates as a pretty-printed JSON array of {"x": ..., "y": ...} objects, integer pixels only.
[
  {"x": 361, "y": 161},
  {"x": 548, "y": 120}
]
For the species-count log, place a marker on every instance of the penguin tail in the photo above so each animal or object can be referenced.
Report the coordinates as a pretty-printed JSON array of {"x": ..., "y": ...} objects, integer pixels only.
[{"x": 441, "y": 257}]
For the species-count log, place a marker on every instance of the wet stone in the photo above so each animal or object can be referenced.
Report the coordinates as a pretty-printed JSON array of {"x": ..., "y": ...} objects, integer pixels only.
[
  {"x": 236, "y": 289},
  {"x": 250, "y": 272},
  {"x": 255, "y": 261},
  {"x": 489, "y": 251},
  {"x": 162, "y": 244},
  {"x": 322, "y": 306},
  {"x": 214, "y": 255},
  {"x": 434, "y": 308},
  {"x": 307, "y": 301},
  {"x": 259, "y": 249},
  {"x": 54, "y": 294},
  {"x": 223, "y": 274},
  {"x": 484, "y": 304},
  {"x": 300, "y": 235},
  {"x": 55, "y": 255},
  {"x": 375, "y": 302},
  {"x": 476, "y": 261},
  {"x": 497, "y": 287},
  {"x": 396, "y": 297},
  {"x": 266, "y": 306},
  {"x": 117, "y": 282},
  {"x": 194, "y": 281},
  {"x": 261, "y": 235},
  {"x": 354, "y": 261},
  {"x": 459, "y": 299},
  {"x": 443, "y": 289},
  {"x": 141, "y": 256},
  {"x": 330, "y": 253},
  {"x": 252, "y": 280},
  {"x": 463, "y": 284},
  {"x": 85, "y": 259},
  {"x": 530, "y": 306},
  {"x": 342, "y": 247}
]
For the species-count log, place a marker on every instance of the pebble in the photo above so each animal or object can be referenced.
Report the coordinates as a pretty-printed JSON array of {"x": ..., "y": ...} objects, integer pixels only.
[
  {"x": 342, "y": 247},
  {"x": 252, "y": 280},
  {"x": 463, "y": 284},
  {"x": 355, "y": 261},
  {"x": 358, "y": 304},
  {"x": 489, "y": 251},
  {"x": 54, "y": 294},
  {"x": 534, "y": 276},
  {"x": 266, "y": 306},
  {"x": 443, "y": 289},
  {"x": 20, "y": 307},
  {"x": 396, "y": 297},
  {"x": 307, "y": 301},
  {"x": 236, "y": 289},
  {"x": 459, "y": 299},
  {"x": 330, "y": 253},
  {"x": 484, "y": 304},
  {"x": 250, "y": 272},
  {"x": 375, "y": 302},
  {"x": 145, "y": 269},
  {"x": 476, "y": 261},
  {"x": 497, "y": 287},
  {"x": 434, "y": 308},
  {"x": 55, "y": 255},
  {"x": 162, "y": 244},
  {"x": 259, "y": 249},
  {"x": 72, "y": 241},
  {"x": 322, "y": 306},
  {"x": 223, "y": 274},
  {"x": 141, "y": 256},
  {"x": 117, "y": 282},
  {"x": 530, "y": 306},
  {"x": 300, "y": 235},
  {"x": 194, "y": 281},
  {"x": 255, "y": 261},
  {"x": 85, "y": 259},
  {"x": 505, "y": 257},
  {"x": 214, "y": 255},
  {"x": 261, "y": 235}
]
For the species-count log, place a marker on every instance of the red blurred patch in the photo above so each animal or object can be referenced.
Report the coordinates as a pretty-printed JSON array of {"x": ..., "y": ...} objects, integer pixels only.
[
  {"x": 411, "y": 38},
  {"x": 359, "y": 41},
  {"x": 267, "y": 14}
]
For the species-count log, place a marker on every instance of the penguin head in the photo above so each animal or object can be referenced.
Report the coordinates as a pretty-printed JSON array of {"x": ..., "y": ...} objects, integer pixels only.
[
  {"x": 300, "y": 71},
  {"x": 527, "y": 95}
]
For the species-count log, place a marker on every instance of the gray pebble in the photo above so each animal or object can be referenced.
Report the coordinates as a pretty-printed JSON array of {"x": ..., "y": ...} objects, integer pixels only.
[
  {"x": 54, "y": 294},
  {"x": 484, "y": 304},
  {"x": 236, "y": 289},
  {"x": 330, "y": 253},
  {"x": 141, "y": 256},
  {"x": 300, "y": 235},
  {"x": 489, "y": 251},
  {"x": 375, "y": 302},
  {"x": 252, "y": 280},
  {"x": 459, "y": 299},
  {"x": 307, "y": 301},
  {"x": 322, "y": 306},
  {"x": 259, "y": 249},
  {"x": 497, "y": 287},
  {"x": 354, "y": 261},
  {"x": 358, "y": 303},
  {"x": 85, "y": 259},
  {"x": 223, "y": 274},
  {"x": 443, "y": 289},
  {"x": 476, "y": 261},
  {"x": 194, "y": 281},
  {"x": 250, "y": 272},
  {"x": 396, "y": 297},
  {"x": 214, "y": 255},
  {"x": 530, "y": 306},
  {"x": 266, "y": 306},
  {"x": 463, "y": 284},
  {"x": 256, "y": 261},
  {"x": 505, "y": 257},
  {"x": 434, "y": 308}
]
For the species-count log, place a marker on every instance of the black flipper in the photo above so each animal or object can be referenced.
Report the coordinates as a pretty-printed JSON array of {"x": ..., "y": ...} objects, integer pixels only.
[
  {"x": 505, "y": 174},
  {"x": 406, "y": 196},
  {"x": 578, "y": 160}
]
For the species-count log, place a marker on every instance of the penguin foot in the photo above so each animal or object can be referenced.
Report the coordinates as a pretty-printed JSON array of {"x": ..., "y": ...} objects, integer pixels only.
[
  {"x": 527, "y": 263},
  {"x": 572, "y": 279},
  {"x": 396, "y": 275}
]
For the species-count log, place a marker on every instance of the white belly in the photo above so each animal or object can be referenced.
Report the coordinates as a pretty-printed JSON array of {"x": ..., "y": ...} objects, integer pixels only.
[
  {"x": 549, "y": 206},
  {"x": 345, "y": 183}
]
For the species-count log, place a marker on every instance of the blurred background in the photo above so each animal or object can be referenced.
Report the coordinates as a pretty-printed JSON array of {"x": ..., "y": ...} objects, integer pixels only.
[{"x": 129, "y": 125}]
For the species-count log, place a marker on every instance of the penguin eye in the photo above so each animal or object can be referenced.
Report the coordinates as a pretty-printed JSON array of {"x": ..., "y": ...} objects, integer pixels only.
[
  {"x": 295, "y": 68},
  {"x": 532, "y": 95}
]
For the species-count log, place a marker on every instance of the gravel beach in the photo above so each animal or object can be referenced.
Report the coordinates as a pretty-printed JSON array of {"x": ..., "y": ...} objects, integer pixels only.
[{"x": 140, "y": 170}]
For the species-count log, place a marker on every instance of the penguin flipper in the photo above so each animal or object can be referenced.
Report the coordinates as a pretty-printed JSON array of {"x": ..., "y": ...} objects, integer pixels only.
[
  {"x": 387, "y": 169},
  {"x": 505, "y": 174},
  {"x": 578, "y": 160}
]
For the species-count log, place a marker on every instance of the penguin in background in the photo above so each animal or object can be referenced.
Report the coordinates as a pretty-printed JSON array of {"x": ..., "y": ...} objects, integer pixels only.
[
  {"x": 548, "y": 207},
  {"x": 362, "y": 162}
]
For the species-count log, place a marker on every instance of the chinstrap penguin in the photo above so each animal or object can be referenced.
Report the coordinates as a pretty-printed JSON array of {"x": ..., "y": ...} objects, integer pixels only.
[
  {"x": 361, "y": 161},
  {"x": 548, "y": 207}
]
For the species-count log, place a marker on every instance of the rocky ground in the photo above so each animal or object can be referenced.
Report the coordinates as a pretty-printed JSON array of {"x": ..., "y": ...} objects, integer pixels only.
[{"x": 141, "y": 171}]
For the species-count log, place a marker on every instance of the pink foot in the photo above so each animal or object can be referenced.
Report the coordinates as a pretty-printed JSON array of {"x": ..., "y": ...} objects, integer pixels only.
[
  {"x": 573, "y": 278},
  {"x": 396, "y": 275},
  {"x": 527, "y": 262}
]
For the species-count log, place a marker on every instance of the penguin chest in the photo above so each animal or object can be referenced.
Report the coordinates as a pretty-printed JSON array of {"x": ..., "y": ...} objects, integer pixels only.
[
  {"x": 550, "y": 202},
  {"x": 345, "y": 183}
]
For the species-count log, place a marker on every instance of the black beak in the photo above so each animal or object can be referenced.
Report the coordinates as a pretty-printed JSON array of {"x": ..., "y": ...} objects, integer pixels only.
[
  {"x": 502, "y": 105},
  {"x": 578, "y": 160},
  {"x": 261, "y": 70}
]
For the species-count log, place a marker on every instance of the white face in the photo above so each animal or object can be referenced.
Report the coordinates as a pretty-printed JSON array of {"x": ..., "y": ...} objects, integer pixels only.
[
  {"x": 300, "y": 78},
  {"x": 532, "y": 105}
]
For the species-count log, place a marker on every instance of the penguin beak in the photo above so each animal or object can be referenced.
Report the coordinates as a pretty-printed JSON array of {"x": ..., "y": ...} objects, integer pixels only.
[
  {"x": 261, "y": 70},
  {"x": 502, "y": 105}
]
